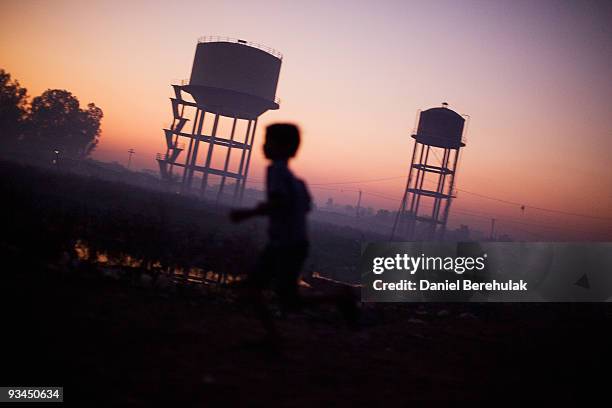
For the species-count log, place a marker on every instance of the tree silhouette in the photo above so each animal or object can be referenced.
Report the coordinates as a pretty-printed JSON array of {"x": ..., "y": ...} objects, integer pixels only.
[
  {"x": 13, "y": 109},
  {"x": 57, "y": 122}
]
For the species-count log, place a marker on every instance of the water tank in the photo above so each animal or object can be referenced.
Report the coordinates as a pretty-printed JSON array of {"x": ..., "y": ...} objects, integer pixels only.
[
  {"x": 440, "y": 127},
  {"x": 234, "y": 77}
]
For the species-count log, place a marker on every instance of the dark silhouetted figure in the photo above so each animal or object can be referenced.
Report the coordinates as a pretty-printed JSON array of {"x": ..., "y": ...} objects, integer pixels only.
[
  {"x": 287, "y": 205},
  {"x": 288, "y": 202}
]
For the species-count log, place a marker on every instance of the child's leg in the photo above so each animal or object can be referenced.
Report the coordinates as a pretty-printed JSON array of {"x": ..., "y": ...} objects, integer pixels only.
[
  {"x": 292, "y": 261},
  {"x": 257, "y": 281},
  {"x": 257, "y": 301},
  {"x": 289, "y": 266}
]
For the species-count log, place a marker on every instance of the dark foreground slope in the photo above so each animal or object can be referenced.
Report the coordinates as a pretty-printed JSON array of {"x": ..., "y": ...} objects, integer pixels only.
[
  {"x": 108, "y": 341},
  {"x": 117, "y": 337}
]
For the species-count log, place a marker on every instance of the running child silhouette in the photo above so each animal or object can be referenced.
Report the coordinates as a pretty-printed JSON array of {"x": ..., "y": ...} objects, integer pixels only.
[{"x": 287, "y": 205}]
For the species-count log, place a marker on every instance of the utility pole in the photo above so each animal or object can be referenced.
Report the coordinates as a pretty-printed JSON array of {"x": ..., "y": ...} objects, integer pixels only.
[
  {"x": 492, "y": 229},
  {"x": 358, "y": 204},
  {"x": 131, "y": 152}
]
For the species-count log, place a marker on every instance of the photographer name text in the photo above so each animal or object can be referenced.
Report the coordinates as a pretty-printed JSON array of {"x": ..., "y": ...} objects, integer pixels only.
[
  {"x": 448, "y": 285},
  {"x": 457, "y": 265}
]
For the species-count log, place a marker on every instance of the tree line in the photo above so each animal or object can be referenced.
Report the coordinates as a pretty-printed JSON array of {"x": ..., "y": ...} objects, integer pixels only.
[{"x": 47, "y": 125}]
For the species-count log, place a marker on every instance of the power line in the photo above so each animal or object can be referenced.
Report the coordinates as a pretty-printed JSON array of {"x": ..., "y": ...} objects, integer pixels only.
[
  {"x": 509, "y": 202},
  {"x": 505, "y": 220},
  {"x": 357, "y": 182},
  {"x": 482, "y": 215},
  {"x": 523, "y": 206},
  {"x": 535, "y": 207},
  {"x": 322, "y": 186}
]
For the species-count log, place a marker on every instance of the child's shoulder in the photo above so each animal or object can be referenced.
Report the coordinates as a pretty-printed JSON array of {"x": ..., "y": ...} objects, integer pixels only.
[{"x": 279, "y": 170}]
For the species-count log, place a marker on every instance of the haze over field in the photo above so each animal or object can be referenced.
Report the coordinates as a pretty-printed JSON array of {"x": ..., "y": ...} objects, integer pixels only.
[{"x": 533, "y": 76}]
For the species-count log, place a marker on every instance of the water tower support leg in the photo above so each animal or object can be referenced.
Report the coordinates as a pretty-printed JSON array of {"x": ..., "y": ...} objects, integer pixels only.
[
  {"x": 227, "y": 159},
  {"x": 176, "y": 137},
  {"x": 450, "y": 193},
  {"x": 411, "y": 218},
  {"x": 412, "y": 195},
  {"x": 189, "y": 150},
  {"x": 246, "y": 170},
  {"x": 435, "y": 212},
  {"x": 420, "y": 187},
  {"x": 211, "y": 146},
  {"x": 241, "y": 165},
  {"x": 194, "y": 154},
  {"x": 402, "y": 210}
]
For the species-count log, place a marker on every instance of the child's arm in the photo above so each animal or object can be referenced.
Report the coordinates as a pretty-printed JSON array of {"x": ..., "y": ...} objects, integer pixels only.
[
  {"x": 262, "y": 209},
  {"x": 246, "y": 213}
]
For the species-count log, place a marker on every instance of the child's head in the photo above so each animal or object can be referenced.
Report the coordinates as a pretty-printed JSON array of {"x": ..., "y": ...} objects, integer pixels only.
[{"x": 282, "y": 141}]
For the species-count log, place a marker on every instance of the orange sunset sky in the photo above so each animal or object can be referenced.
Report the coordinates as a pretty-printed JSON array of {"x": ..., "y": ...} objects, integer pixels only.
[{"x": 533, "y": 76}]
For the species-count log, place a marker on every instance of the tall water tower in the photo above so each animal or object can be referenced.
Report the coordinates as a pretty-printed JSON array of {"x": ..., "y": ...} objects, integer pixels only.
[
  {"x": 232, "y": 83},
  {"x": 431, "y": 177}
]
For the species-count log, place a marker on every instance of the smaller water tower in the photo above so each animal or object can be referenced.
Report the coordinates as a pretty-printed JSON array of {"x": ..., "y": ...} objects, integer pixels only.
[
  {"x": 232, "y": 83},
  {"x": 438, "y": 139}
]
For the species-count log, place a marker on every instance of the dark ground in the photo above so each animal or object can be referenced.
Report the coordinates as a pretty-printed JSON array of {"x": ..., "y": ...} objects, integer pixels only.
[
  {"x": 116, "y": 341},
  {"x": 109, "y": 342}
]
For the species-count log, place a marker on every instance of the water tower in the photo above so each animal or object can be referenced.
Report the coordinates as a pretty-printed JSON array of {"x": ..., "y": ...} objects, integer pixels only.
[
  {"x": 438, "y": 139},
  {"x": 232, "y": 83}
]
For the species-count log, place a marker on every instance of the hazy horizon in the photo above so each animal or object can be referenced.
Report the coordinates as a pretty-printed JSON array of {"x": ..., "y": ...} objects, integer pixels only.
[{"x": 534, "y": 78}]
